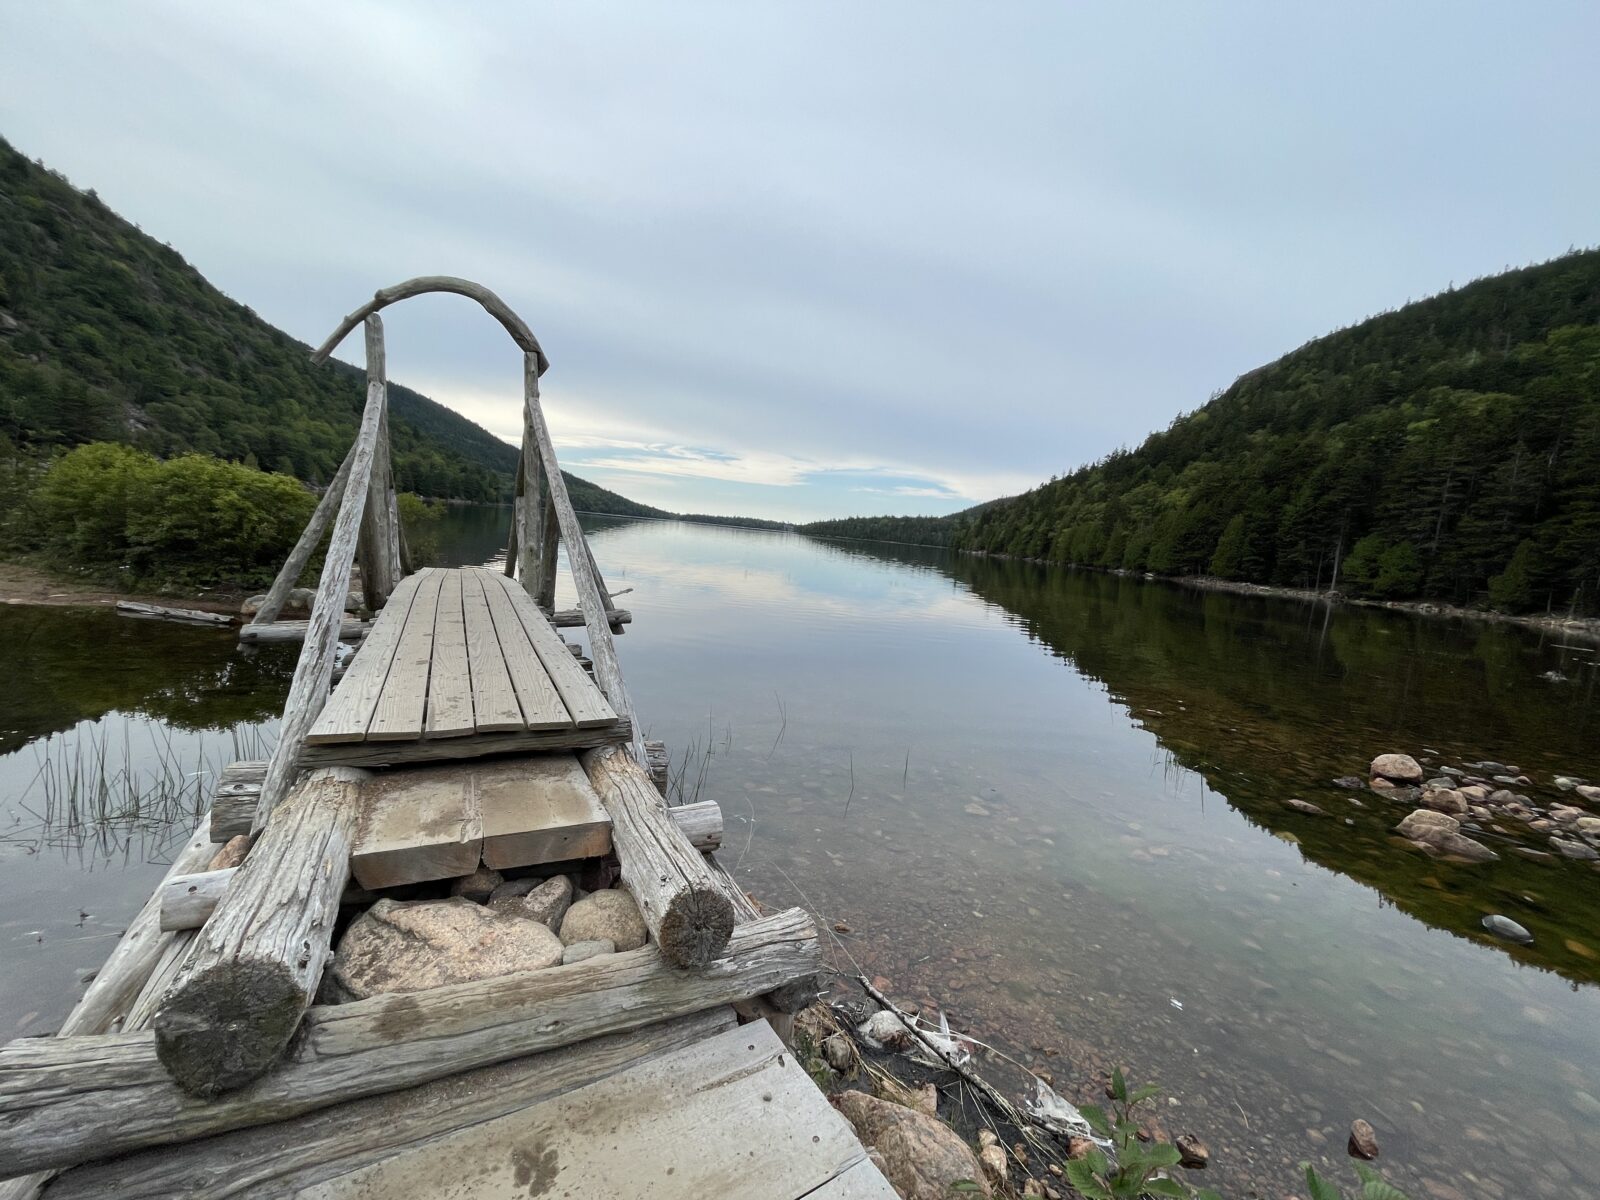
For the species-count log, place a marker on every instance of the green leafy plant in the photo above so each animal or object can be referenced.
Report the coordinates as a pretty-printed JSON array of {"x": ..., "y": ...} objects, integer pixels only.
[
  {"x": 1134, "y": 1169},
  {"x": 1372, "y": 1186}
]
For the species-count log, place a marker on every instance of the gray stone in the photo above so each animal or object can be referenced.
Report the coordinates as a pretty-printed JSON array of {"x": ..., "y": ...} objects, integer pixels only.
[
  {"x": 1437, "y": 832},
  {"x": 610, "y": 915},
  {"x": 1445, "y": 800},
  {"x": 1305, "y": 806},
  {"x": 1588, "y": 792},
  {"x": 546, "y": 903},
  {"x": 1588, "y": 826},
  {"x": 1565, "y": 782},
  {"x": 839, "y": 1051},
  {"x": 579, "y": 951},
  {"x": 478, "y": 886},
  {"x": 1575, "y": 849},
  {"x": 1401, "y": 768},
  {"x": 1353, "y": 782},
  {"x": 395, "y": 947},
  {"x": 1506, "y": 928}
]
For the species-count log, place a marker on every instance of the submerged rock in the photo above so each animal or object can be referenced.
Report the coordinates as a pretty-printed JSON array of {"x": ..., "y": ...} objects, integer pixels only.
[
  {"x": 1400, "y": 768},
  {"x": 1441, "y": 833},
  {"x": 1506, "y": 928},
  {"x": 610, "y": 915},
  {"x": 1444, "y": 799},
  {"x": 1575, "y": 850},
  {"x": 1195, "y": 1153},
  {"x": 1305, "y": 806},
  {"x": 1363, "y": 1140},
  {"x": 923, "y": 1158},
  {"x": 395, "y": 947},
  {"x": 1353, "y": 782}
]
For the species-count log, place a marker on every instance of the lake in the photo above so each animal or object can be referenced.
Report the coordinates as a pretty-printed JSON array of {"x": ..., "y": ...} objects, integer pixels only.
[{"x": 1051, "y": 803}]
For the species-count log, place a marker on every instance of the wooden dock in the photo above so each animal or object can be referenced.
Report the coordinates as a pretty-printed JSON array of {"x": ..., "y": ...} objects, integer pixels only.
[{"x": 449, "y": 833}]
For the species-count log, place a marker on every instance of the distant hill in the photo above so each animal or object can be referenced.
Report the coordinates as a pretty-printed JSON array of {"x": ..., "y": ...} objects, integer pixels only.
[
  {"x": 107, "y": 335},
  {"x": 1450, "y": 449},
  {"x": 912, "y": 531},
  {"x": 592, "y": 498}
]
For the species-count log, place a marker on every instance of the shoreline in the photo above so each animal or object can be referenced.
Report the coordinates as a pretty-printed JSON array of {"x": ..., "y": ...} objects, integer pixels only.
[
  {"x": 25, "y": 584},
  {"x": 1583, "y": 628}
]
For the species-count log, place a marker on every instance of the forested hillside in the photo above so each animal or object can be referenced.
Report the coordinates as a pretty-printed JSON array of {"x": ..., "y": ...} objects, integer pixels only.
[
  {"x": 916, "y": 531},
  {"x": 106, "y": 335},
  {"x": 1449, "y": 450}
]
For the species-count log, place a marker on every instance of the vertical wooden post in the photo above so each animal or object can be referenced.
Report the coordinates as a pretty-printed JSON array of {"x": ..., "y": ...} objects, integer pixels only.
[
  {"x": 513, "y": 543},
  {"x": 549, "y": 552},
  {"x": 380, "y": 534},
  {"x": 314, "y": 670}
]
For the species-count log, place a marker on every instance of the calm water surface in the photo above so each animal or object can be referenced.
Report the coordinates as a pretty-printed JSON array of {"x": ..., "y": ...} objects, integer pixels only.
[{"x": 1050, "y": 803}]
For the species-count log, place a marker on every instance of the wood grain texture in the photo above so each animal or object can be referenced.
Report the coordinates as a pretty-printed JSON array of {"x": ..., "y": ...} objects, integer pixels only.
[
  {"x": 539, "y": 810},
  {"x": 542, "y": 707},
  {"x": 495, "y": 708},
  {"x": 682, "y": 902},
  {"x": 313, "y": 672},
  {"x": 449, "y": 678},
  {"x": 579, "y": 695},
  {"x": 396, "y": 753},
  {"x": 351, "y": 705},
  {"x": 253, "y": 971},
  {"x": 64, "y": 1101},
  {"x": 708, "y": 1105},
  {"x": 276, "y": 1161},
  {"x": 416, "y": 825},
  {"x": 351, "y": 629},
  {"x": 402, "y": 699},
  {"x": 188, "y": 900}
]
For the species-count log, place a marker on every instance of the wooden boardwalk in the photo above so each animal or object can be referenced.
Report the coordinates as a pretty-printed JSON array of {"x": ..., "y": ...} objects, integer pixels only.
[{"x": 468, "y": 756}]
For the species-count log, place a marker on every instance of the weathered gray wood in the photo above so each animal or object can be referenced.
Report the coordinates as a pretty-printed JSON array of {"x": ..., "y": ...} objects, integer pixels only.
[
  {"x": 314, "y": 671},
  {"x": 188, "y": 900},
  {"x": 658, "y": 763},
  {"x": 116, "y": 986},
  {"x": 351, "y": 629},
  {"x": 351, "y": 706},
  {"x": 496, "y": 307},
  {"x": 494, "y": 698},
  {"x": 449, "y": 679},
  {"x": 294, "y": 566},
  {"x": 544, "y": 591},
  {"x": 66, "y": 1100},
  {"x": 185, "y": 616},
  {"x": 278, "y": 1160},
  {"x": 572, "y": 618},
  {"x": 256, "y": 965},
  {"x": 731, "y": 1116},
  {"x": 579, "y": 695},
  {"x": 379, "y": 543},
  {"x": 684, "y": 906},
  {"x": 539, "y": 810},
  {"x": 701, "y": 823},
  {"x": 233, "y": 803},
  {"x": 173, "y": 957},
  {"x": 607, "y": 671},
  {"x": 401, "y": 703},
  {"x": 416, "y": 825},
  {"x": 542, "y": 707},
  {"x": 378, "y": 754}
]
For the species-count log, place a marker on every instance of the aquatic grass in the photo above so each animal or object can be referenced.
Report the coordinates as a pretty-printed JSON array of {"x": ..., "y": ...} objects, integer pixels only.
[{"x": 99, "y": 792}]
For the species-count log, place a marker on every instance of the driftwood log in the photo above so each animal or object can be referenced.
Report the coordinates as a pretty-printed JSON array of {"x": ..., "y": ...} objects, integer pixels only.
[
  {"x": 64, "y": 1101},
  {"x": 352, "y": 629},
  {"x": 241, "y": 993},
  {"x": 185, "y": 616},
  {"x": 281, "y": 1160},
  {"x": 686, "y": 909}
]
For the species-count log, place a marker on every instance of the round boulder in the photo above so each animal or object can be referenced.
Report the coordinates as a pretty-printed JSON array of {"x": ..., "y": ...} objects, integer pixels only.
[
  {"x": 610, "y": 915},
  {"x": 395, "y": 947},
  {"x": 1400, "y": 768}
]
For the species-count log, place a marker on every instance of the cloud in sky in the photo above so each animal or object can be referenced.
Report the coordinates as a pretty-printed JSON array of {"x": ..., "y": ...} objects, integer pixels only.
[{"x": 813, "y": 260}]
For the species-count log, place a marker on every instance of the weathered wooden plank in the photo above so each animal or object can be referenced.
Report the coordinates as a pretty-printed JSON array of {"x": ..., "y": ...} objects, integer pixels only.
[
  {"x": 233, "y": 803},
  {"x": 255, "y": 966},
  {"x": 279, "y": 1160},
  {"x": 398, "y": 753},
  {"x": 708, "y": 1105},
  {"x": 578, "y": 692},
  {"x": 416, "y": 824},
  {"x": 569, "y": 618},
  {"x": 350, "y": 708},
  {"x": 541, "y": 702},
  {"x": 66, "y": 1100},
  {"x": 449, "y": 677},
  {"x": 539, "y": 810},
  {"x": 313, "y": 672},
  {"x": 682, "y": 903},
  {"x": 403, "y": 699},
  {"x": 863, "y": 1181},
  {"x": 494, "y": 700}
]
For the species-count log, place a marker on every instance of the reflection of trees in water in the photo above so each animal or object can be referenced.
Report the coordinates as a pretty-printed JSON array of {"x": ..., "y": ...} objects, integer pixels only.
[
  {"x": 1266, "y": 699},
  {"x": 72, "y": 665}
]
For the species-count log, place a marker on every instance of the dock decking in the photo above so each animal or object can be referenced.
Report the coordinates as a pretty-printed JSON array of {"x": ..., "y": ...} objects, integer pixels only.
[{"x": 466, "y": 749}]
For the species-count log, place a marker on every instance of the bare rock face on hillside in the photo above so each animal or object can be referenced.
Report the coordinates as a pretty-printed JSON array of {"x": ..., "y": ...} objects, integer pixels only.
[{"x": 395, "y": 947}]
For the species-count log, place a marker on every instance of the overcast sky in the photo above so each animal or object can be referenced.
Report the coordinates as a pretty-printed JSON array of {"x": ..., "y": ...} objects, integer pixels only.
[{"x": 814, "y": 260}]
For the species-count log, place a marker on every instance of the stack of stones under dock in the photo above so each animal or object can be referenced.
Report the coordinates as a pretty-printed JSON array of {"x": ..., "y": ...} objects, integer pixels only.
[{"x": 450, "y": 939}]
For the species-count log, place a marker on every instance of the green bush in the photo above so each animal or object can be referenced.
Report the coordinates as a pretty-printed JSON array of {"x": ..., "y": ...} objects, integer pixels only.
[{"x": 117, "y": 513}]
